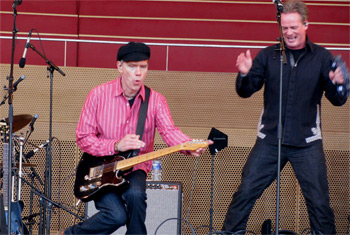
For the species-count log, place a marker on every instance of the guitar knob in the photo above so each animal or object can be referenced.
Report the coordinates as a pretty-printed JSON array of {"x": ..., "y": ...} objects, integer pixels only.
[
  {"x": 83, "y": 189},
  {"x": 92, "y": 186}
]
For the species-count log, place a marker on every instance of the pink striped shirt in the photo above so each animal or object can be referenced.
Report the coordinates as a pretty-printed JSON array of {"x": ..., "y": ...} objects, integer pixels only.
[{"x": 107, "y": 117}]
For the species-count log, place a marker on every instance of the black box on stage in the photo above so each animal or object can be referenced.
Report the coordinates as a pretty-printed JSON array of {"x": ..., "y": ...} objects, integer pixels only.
[{"x": 164, "y": 204}]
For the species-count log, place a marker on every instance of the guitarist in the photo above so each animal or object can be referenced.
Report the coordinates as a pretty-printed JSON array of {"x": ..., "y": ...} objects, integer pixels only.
[{"x": 107, "y": 126}]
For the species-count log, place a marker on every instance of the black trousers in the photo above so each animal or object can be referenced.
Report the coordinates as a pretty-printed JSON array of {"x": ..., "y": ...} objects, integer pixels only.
[
  {"x": 116, "y": 210},
  {"x": 260, "y": 171}
]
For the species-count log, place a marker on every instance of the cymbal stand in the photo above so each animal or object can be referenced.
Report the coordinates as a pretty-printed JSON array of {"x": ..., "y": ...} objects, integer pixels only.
[{"x": 22, "y": 142}]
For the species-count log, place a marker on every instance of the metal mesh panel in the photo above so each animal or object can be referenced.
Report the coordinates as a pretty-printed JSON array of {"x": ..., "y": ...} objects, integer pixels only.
[{"x": 198, "y": 101}]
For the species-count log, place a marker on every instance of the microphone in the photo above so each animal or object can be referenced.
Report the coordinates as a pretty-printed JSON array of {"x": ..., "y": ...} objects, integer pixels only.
[
  {"x": 342, "y": 89},
  {"x": 17, "y": 82},
  {"x": 22, "y": 61},
  {"x": 31, "y": 153},
  {"x": 16, "y": 3},
  {"x": 31, "y": 125},
  {"x": 279, "y": 5}
]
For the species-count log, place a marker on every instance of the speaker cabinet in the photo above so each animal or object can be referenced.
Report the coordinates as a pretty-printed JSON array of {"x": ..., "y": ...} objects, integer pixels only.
[{"x": 164, "y": 208}]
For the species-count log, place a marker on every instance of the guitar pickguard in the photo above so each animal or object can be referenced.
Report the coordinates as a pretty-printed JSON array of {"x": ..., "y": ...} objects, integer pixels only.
[{"x": 93, "y": 176}]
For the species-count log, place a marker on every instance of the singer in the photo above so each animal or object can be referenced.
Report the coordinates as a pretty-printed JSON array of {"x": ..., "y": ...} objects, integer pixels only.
[{"x": 307, "y": 76}]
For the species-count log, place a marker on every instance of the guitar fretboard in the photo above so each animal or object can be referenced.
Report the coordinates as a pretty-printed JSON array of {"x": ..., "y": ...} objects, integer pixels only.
[{"x": 127, "y": 163}]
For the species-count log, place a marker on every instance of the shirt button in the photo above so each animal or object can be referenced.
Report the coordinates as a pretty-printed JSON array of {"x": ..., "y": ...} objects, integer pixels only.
[
  {"x": 110, "y": 153},
  {"x": 127, "y": 121},
  {"x": 127, "y": 104}
]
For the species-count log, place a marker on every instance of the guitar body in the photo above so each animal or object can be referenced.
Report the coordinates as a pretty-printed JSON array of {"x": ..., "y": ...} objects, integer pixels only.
[
  {"x": 97, "y": 174},
  {"x": 93, "y": 176},
  {"x": 17, "y": 226}
]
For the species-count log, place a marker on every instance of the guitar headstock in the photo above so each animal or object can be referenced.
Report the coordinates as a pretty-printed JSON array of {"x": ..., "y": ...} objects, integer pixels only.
[{"x": 194, "y": 144}]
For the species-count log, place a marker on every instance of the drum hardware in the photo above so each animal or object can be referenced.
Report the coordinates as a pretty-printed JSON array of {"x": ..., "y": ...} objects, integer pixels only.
[
  {"x": 12, "y": 87},
  {"x": 16, "y": 164},
  {"x": 21, "y": 141},
  {"x": 19, "y": 121},
  {"x": 23, "y": 162}
]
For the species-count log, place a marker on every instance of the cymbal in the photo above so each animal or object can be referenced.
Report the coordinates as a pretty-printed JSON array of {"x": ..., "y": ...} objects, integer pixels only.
[
  {"x": 20, "y": 121},
  {"x": 23, "y": 164}
]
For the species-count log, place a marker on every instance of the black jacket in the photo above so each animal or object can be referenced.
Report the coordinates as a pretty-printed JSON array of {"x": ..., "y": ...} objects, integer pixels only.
[{"x": 303, "y": 84}]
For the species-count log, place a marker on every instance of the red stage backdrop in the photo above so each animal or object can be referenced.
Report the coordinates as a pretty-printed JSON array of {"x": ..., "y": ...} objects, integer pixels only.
[{"x": 184, "y": 35}]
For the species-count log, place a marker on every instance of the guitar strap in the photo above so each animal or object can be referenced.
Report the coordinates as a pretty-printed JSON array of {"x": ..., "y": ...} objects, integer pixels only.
[{"x": 142, "y": 119}]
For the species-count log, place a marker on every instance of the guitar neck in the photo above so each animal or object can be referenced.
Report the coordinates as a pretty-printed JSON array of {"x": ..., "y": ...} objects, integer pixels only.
[{"x": 127, "y": 163}]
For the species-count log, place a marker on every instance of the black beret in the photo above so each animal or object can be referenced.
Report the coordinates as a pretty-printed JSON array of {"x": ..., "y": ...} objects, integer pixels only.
[{"x": 134, "y": 51}]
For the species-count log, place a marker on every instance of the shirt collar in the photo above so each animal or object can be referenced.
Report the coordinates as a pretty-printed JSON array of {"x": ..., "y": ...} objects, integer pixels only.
[{"x": 308, "y": 44}]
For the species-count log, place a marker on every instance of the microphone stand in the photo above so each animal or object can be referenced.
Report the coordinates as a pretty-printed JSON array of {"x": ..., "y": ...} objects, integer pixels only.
[
  {"x": 220, "y": 142},
  {"x": 211, "y": 212},
  {"x": 48, "y": 167},
  {"x": 283, "y": 60},
  {"x": 10, "y": 101},
  {"x": 33, "y": 175}
]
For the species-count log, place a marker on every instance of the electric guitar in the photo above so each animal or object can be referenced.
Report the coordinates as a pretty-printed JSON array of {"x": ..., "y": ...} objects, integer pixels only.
[
  {"x": 96, "y": 174},
  {"x": 17, "y": 227}
]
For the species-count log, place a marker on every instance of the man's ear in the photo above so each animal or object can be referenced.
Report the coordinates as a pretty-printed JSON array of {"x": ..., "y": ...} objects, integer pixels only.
[{"x": 119, "y": 65}]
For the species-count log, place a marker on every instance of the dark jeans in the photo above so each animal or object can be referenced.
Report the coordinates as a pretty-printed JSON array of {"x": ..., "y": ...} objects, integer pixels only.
[
  {"x": 117, "y": 210},
  {"x": 260, "y": 171}
]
